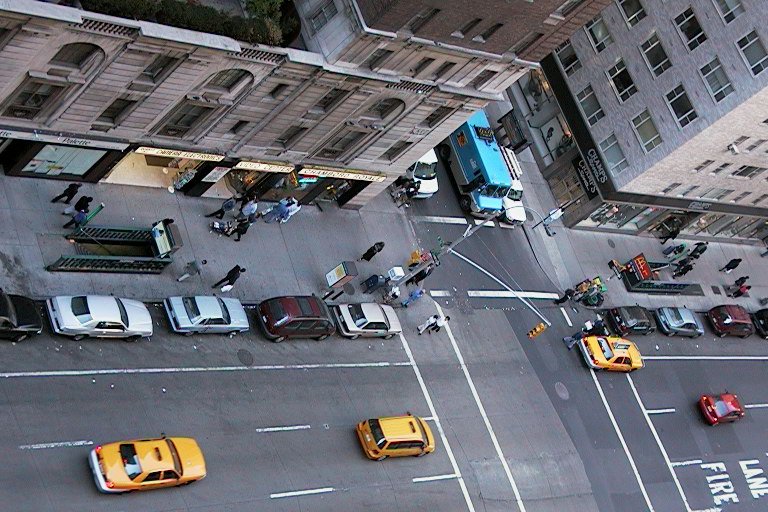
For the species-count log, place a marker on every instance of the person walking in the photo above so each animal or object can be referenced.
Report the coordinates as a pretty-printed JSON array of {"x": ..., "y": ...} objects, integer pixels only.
[
  {"x": 78, "y": 219},
  {"x": 293, "y": 208},
  {"x": 413, "y": 296},
  {"x": 741, "y": 291},
  {"x": 682, "y": 270},
  {"x": 408, "y": 194},
  {"x": 68, "y": 194},
  {"x": 731, "y": 265},
  {"x": 740, "y": 281},
  {"x": 429, "y": 323},
  {"x": 241, "y": 229},
  {"x": 232, "y": 276},
  {"x": 441, "y": 322},
  {"x": 277, "y": 212},
  {"x": 372, "y": 251},
  {"x": 567, "y": 295},
  {"x": 83, "y": 204},
  {"x": 699, "y": 249},
  {"x": 248, "y": 209},
  {"x": 227, "y": 206},
  {"x": 684, "y": 262},
  {"x": 675, "y": 250},
  {"x": 192, "y": 268},
  {"x": 570, "y": 341}
]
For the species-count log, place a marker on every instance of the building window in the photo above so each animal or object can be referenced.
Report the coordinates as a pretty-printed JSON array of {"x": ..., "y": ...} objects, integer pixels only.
[
  {"x": 646, "y": 131},
  {"x": 76, "y": 55},
  {"x": 323, "y": 15},
  {"x": 185, "y": 119},
  {"x": 483, "y": 78},
  {"x": 655, "y": 55},
  {"x": 340, "y": 143},
  {"x": 443, "y": 69},
  {"x": 327, "y": 102},
  {"x": 526, "y": 42},
  {"x": 760, "y": 199},
  {"x": 437, "y": 116},
  {"x": 568, "y": 58},
  {"x": 729, "y": 9},
  {"x": 464, "y": 31},
  {"x": 421, "y": 19},
  {"x": 239, "y": 127},
  {"x": 720, "y": 168},
  {"x": 590, "y": 105},
  {"x": 290, "y": 136},
  {"x": 613, "y": 155},
  {"x": 385, "y": 109},
  {"x": 688, "y": 191},
  {"x": 715, "y": 193},
  {"x": 756, "y": 144},
  {"x": 159, "y": 68},
  {"x": 486, "y": 35},
  {"x": 717, "y": 81},
  {"x": 689, "y": 28},
  {"x": 277, "y": 91},
  {"x": 621, "y": 81},
  {"x": 740, "y": 197},
  {"x": 31, "y": 99},
  {"x": 681, "y": 106},
  {"x": 633, "y": 11},
  {"x": 754, "y": 52},
  {"x": 703, "y": 165},
  {"x": 422, "y": 65},
  {"x": 228, "y": 79},
  {"x": 748, "y": 171},
  {"x": 116, "y": 112},
  {"x": 598, "y": 34},
  {"x": 397, "y": 149},
  {"x": 670, "y": 188},
  {"x": 377, "y": 58}
]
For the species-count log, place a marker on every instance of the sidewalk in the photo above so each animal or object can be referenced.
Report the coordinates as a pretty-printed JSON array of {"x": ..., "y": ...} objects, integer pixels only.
[
  {"x": 574, "y": 255},
  {"x": 280, "y": 259}
]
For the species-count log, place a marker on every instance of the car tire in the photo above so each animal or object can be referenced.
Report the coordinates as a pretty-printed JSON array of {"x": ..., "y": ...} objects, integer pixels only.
[
  {"x": 721, "y": 335},
  {"x": 232, "y": 333},
  {"x": 696, "y": 336},
  {"x": 420, "y": 454},
  {"x": 745, "y": 337},
  {"x": 354, "y": 336},
  {"x": 279, "y": 339},
  {"x": 382, "y": 457},
  {"x": 444, "y": 151},
  {"x": 465, "y": 204},
  {"x": 133, "y": 339},
  {"x": 323, "y": 337},
  {"x": 389, "y": 336},
  {"x": 670, "y": 334},
  {"x": 188, "y": 333},
  {"x": 20, "y": 338},
  {"x": 78, "y": 337}
]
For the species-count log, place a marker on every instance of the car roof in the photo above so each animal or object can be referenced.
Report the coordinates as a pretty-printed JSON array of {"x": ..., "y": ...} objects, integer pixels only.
[
  {"x": 635, "y": 311},
  {"x": 299, "y": 306},
  {"x": 685, "y": 313},
  {"x": 737, "y": 313},
  {"x": 103, "y": 307},
  {"x": 762, "y": 314},
  {"x": 401, "y": 428},
  {"x": 731, "y": 400},
  {"x": 373, "y": 312},
  {"x": 154, "y": 455},
  {"x": 619, "y": 345},
  {"x": 209, "y": 306}
]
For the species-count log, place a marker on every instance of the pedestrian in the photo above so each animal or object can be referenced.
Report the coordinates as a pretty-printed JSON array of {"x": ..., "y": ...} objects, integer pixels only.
[
  {"x": 399, "y": 186},
  {"x": 293, "y": 208},
  {"x": 429, "y": 323},
  {"x": 229, "y": 280},
  {"x": 78, "y": 219},
  {"x": 421, "y": 275},
  {"x": 68, "y": 194},
  {"x": 741, "y": 291},
  {"x": 250, "y": 196},
  {"x": 699, "y": 249},
  {"x": 731, "y": 265},
  {"x": 277, "y": 212},
  {"x": 248, "y": 209},
  {"x": 740, "y": 281},
  {"x": 441, "y": 322},
  {"x": 241, "y": 229},
  {"x": 671, "y": 234},
  {"x": 372, "y": 251},
  {"x": 671, "y": 252},
  {"x": 570, "y": 341},
  {"x": 192, "y": 268},
  {"x": 413, "y": 296},
  {"x": 227, "y": 206},
  {"x": 83, "y": 204},
  {"x": 567, "y": 295},
  {"x": 681, "y": 271},
  {"x": 684, "y": 262},
  {"x": 408, "y": 194}
]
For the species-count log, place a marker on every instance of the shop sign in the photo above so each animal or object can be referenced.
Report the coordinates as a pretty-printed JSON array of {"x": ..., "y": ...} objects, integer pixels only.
[
  {"x": 216, "y": 174},
  {"x": 596, "y": 165},
  {"x": 585, "y": 177},
  {"x": 61, "y": 139},
  {"x": 326, "y": 172},
  {"x": 264, "y": 166},
  {"x": 174, "y": 153},
  {"x": 641, "y": 267},
  {"x": 701, "y": 206}
]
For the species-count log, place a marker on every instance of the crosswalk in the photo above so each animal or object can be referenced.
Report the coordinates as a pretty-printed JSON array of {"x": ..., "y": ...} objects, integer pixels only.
[{"x": 463, "y": 221}]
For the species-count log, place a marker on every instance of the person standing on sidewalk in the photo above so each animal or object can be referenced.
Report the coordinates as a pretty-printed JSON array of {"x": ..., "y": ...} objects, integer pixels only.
[
  {"x": 192, "y": 268},
  {"x": 372, "y": 251},
  {"x": 249, "y": 208},
  {"x": 740, "y": 281},
  {"x": 277, "y": 212},
  {"x": 232, "y": 276},
  {"x": 241, "y": 228},
  {"x": 731, "y": 265},
  {"x": 674, "y": 250},
  {"x": 441, "y": 322},
  {"x": 292, "y": 208},
  {"x": 741, "y": 291},
  {"x": 429, "y": 323},
  {"x": 68, "y": 194},
  {"x": 567, "y": 295},
  {"x": 699, "y": 249},
  {"x": 227, "y": 206},
  {"x": 682, "y": 270}
]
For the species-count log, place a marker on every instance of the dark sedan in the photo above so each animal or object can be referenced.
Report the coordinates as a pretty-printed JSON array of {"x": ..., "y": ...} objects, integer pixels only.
[
  {"x": 628, "y": 320},
  {"x": 19, "y": 317},
  {"x": 678, "y": 322}
]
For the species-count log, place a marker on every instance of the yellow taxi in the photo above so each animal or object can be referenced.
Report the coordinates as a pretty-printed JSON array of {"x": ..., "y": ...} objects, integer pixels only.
[
  {"x": 610, "y": 353},
  {"x": 397, "y": 436},
  {"x": 146, "y": 464}
]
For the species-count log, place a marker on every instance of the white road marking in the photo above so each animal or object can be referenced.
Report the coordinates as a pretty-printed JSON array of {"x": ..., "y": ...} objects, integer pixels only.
[
  {"x": 62, "y": 444},
  {"x": 567, "y": 318},
  {"x": 660, "y": 411},
  {"x": 684, "y": 463},
  {"x": 441, "y": 220},
  {"x": 282, "y": 429},
  {"x": 439, "y": 293},
  {"x": 289, "y": 494},
  {"x": 755, "y": 406},
  {"x": 705, "y": 358},
  {"x": 479, "y": 403},
  {"x": 419, "y": 479},
  {"x": 504, "y": 225},
  {"x": 439, "y": 425},
  {"x": 198, "y": 369},
  {"x": 621, "y": 439},
  {"x": 486, "y": 225},
  {"x": 658, "y": 442},
  {"x": 504, "y": 294},
  {"x": 428, "y": 418}
]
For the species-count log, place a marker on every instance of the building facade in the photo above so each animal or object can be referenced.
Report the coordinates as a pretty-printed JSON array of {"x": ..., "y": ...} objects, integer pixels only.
[
  {"x": 660, "y": 118},
  {"x": 90, "y": 97}
]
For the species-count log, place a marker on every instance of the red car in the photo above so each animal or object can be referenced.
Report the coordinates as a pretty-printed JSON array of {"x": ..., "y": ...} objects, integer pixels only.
[{"x": 723, "y": 408}]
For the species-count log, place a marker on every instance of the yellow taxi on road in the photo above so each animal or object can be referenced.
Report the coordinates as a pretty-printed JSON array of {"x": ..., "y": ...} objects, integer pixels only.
[
  {"x": 610, "y": 353},
  {"x": 146, "y": 464},
  {"x": 397, "y": 436}
]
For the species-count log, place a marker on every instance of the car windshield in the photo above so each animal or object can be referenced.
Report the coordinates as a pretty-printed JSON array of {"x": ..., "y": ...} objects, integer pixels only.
[
  {"x": 674, "y": 316},
  {"x": 130, "y": 460},
  {"x": 190, "y": 306},
  {"x": 424, "y": 171},
  {"x": 278, "y": 313},
  {"x": 494, "y": 191},
  {"x": 123, "y": 312},
  {"x": 356, "y": 312},
  {"x": 176, "y": 460},
  {"x": 378, "y": 434},
  {"x": 224, "y": 312},
  {"x": 722, "y": 408},
  {"x": 605, "y": 347},
  {"x": 627, "y": 317},
  {"x": 515, "y": 194},
  {"x": 80, "y": 306}
]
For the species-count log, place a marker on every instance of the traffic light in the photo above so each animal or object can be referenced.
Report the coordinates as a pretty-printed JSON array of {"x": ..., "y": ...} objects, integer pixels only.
[{"x": 537, "y": 330}]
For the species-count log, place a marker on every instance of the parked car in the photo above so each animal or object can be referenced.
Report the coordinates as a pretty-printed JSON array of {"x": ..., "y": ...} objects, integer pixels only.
[
  {"x": 722, "y": 408},
  {"x": 730, "y": 320},
  {"x": 369, "y": 319},
  {"x": 206, "y": 314},
  {"x": 398, "y": 436},
  {"x": 631, "y": 320},
  {"x": 610, "y": 353},
  {"x": 678, "y": 322},
  {"x": 19, "y": 317},
  {"x": 99, "y": 316},
  {"x": 424, "y": 171},
  {"x": 146, "y": 464},
  {"x": 295, "y": 317},
  {"x": 760, "y": 319}
]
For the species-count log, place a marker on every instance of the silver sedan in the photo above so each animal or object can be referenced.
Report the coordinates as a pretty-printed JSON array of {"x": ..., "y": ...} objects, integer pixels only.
[
  {"x": 369, "y": 319},
  {"x": 206, "y": 314},
  {"x": 678, "y": 322},
  {"x": 99, "y": 316}
]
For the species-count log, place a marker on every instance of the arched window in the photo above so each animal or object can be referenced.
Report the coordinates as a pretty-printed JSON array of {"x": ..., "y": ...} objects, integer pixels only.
[
  {"x": 385, "y": 109},
  {"x": 78, "y": 56},
  {"x": 228, "y": 79}
]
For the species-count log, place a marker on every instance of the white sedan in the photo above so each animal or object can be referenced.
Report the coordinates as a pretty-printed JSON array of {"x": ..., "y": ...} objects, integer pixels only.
[
  {"x": 99, "y": 316},
  {"x": 370, "y": 319}
]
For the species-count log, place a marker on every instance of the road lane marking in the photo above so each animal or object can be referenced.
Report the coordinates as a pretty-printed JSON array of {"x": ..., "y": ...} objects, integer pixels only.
[
  {"x": 438, "y": 424},
  {"x": 705, "y": 358},
  {"x": 419, "y": 479},
  {"x": 684, "y": 463},
  {"x": 567, "y": 318},
  {"x": 439, "y": 293},
  {"x": 62, "y": 444},
  {"x": 440, "y": 220},
  {"x": 660, "y": 411},
  {"x": 504, "y": 294},
  {"x": 306, "y": 492},
  {"x": 658, "y": 442},
  {"x": 479, "y": 403},
  {"x": 484, "y": 223},
  {"x": 198, "y": 369},
  {"x": 621, "y": 439},
  {"x": 282, "y": 429},
  {"x": 755, "y": 406}
]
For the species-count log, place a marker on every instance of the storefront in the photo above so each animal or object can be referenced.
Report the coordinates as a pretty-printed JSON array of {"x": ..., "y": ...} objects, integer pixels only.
[{"x": 42, "y": 154}]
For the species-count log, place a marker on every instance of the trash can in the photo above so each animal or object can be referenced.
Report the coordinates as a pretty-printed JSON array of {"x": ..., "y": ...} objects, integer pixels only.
[{"x": 373, "y": 283}]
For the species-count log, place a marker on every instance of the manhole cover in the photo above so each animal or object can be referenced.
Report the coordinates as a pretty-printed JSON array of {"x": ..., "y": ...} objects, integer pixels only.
[
  {"x": 562, "y": 391},
  {"x": 611, "y": 244},
  {"x": 245, "y": 357}
]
